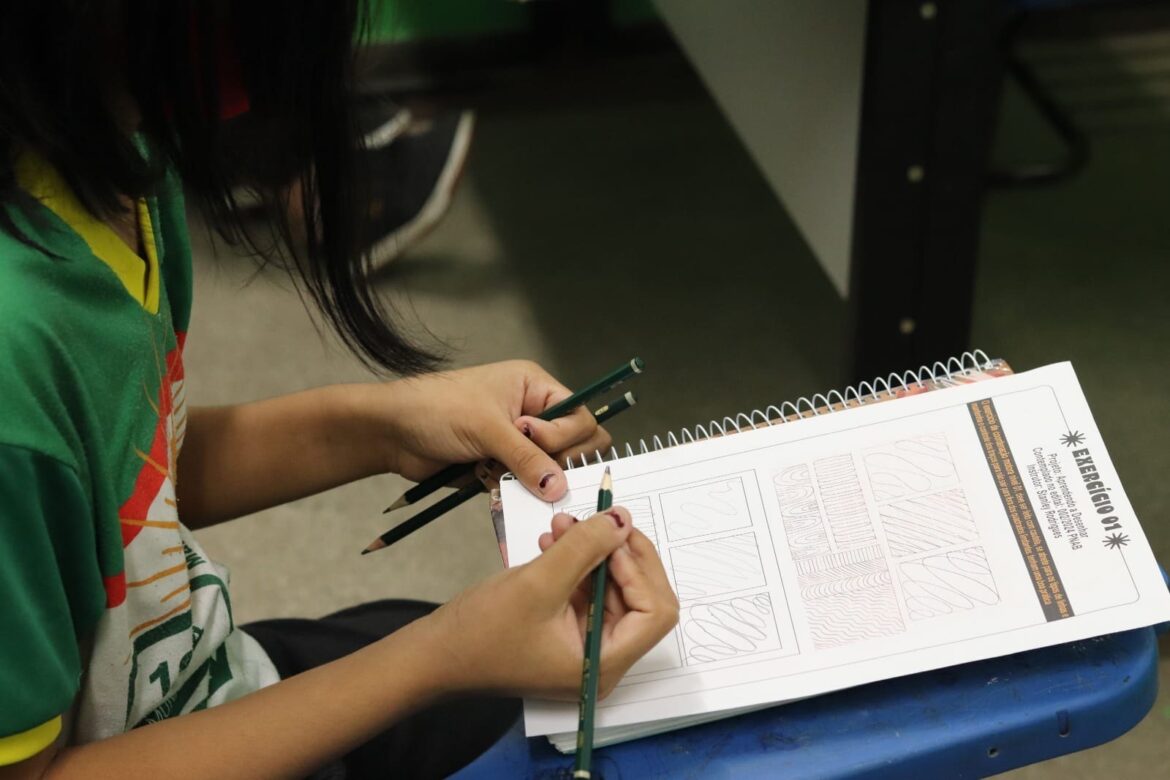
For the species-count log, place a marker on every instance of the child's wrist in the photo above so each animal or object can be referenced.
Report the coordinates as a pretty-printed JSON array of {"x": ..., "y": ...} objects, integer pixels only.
[
  {"x": 434, "y": 667},
  {"x": 369, "y": 411}
]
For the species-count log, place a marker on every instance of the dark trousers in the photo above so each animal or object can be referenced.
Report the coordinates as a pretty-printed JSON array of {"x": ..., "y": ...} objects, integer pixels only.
[{"x": 433, "y": 742}]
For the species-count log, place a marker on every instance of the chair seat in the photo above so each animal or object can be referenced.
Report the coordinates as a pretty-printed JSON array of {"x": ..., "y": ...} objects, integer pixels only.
[{"x": 965, "y": 721}]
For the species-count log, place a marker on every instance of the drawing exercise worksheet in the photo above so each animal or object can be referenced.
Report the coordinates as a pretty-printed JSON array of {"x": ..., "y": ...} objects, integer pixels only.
[{"x": 880, "y": 541}]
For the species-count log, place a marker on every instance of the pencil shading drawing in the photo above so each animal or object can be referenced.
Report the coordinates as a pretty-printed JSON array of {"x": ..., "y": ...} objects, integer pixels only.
[
  {"x": 739, "y": 626},
  {"x": 928, "y": 522},
  {"x": 716, "y": 567},
  {"x": 800, "y": 512},
  {"x": 849, "y": 596},
  {"x": 946, "y": 583},
  {"x": 839, "y": 620},
  {"x": 907, "y": 467},
  {"x": 843, "y": 501},
  {"x": 699, "y": 510},
  {"x": 844, "y": 578},
  {"x": 843, "y": 573}
]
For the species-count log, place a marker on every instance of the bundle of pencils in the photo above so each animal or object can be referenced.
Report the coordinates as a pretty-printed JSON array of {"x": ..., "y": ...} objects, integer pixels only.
[{"x": 463, "y": 471}]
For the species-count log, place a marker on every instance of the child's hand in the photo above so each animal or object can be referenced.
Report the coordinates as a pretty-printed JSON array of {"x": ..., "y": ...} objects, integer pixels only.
[
  {"x": 486, "y": 412},
  {"x": 522, "y": 631}
]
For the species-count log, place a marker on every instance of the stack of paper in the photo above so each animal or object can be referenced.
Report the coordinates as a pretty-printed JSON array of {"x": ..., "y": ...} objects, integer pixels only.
[{"x": 880, "y": 541}]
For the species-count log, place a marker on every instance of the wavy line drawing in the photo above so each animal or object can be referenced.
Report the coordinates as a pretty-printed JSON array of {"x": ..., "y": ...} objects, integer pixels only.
[
  {"x": 640, "y": 508},
  {"x": 845, "y": 618},
  {"x": 717, "y": 567},
  {"x": 846, "y": 586},
  {"x": 907, "y": 467},
  {"x": 698, "y": 510},
  {"x": 800, "y": 512},
  {"x": 930, "y": 522},
  {"x": 947, "y": 583},
  {"x": 849, "y": 596},
  {"x": 843, "y": 501},
  {"x": 855, "y": 576},
  {"x": 728, "y": 629}
]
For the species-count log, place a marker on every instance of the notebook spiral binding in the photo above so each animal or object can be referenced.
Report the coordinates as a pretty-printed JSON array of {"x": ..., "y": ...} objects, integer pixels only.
[{"x": 820, "y": 403}]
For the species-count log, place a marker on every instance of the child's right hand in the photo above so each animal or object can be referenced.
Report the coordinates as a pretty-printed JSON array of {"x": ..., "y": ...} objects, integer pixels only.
[{"x": 522, "y": 631}]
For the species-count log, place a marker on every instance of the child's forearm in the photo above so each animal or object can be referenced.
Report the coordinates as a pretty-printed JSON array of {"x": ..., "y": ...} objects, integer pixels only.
[
  {"x": 286, "y": 730},
  {"x": 518, "y": 632},
  {"x": 241, "y": 459}
]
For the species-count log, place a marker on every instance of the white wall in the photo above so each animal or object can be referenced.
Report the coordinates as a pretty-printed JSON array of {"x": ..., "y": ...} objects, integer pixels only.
[{"x": 787, "y": 73}]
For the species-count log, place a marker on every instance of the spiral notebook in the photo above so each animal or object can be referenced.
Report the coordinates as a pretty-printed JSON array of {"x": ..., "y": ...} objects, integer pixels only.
[{"x": 930, "y": 518}]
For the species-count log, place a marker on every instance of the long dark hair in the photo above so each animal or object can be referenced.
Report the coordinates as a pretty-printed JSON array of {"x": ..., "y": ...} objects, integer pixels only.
[{"x": 293, "y": 58}]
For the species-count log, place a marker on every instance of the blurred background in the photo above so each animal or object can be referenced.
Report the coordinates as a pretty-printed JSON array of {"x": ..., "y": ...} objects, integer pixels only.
[{"x": 763, "y": 200}]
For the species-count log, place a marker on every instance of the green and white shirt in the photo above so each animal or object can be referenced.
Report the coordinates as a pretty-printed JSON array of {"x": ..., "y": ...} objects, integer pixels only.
[{"x": 108, "y": 600}]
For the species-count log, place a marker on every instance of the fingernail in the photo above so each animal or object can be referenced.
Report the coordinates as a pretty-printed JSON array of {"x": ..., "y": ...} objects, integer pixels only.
[
  {"x": 527, "y": 430},
  {"x": 545, "y": 480},
  {"x": 617, "y": 519}
]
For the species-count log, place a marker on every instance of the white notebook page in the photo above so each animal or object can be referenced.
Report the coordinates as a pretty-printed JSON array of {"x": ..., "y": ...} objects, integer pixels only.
[{"x": 952, "y": 526}]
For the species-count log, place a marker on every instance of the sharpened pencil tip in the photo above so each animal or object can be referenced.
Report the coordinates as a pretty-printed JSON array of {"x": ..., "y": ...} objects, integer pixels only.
[
  {"x": 377, "y": 544},
  {"x": 607, "y": 481},
  {"x": 401, "y": 502}
]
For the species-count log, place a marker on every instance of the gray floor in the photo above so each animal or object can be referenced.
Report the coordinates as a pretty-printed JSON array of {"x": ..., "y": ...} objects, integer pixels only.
[{"x": 620, "y": 216}]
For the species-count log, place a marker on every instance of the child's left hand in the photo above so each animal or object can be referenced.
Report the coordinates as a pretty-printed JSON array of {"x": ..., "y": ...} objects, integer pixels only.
[{"x": 481, "y": 413}]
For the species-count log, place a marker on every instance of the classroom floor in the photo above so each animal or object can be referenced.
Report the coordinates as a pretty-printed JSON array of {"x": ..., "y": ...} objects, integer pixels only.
[{"x": 612, "y": 212}]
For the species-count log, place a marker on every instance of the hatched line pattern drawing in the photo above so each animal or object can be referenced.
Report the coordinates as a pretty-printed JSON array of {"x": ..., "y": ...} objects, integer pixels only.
[
  {"x": 946, "y": 583},
  {"x": 842, "y": 571},
  {"x": 640, "y": 510},
  {"x": 835, "y": 560},
  {"x": 843, "y": 501},
  {"x": 717, "y": 567},
  {"x": 699, "y": 510},
  {"x": 908, "y": 467},
  {"x": 930, "y": 522},
  {"x": 736, "y": 627},
  {"x": 804, "y": 527}
]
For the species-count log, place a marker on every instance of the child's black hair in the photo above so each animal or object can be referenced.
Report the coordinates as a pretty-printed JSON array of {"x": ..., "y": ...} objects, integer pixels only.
[{"x": 59, "y": 58}]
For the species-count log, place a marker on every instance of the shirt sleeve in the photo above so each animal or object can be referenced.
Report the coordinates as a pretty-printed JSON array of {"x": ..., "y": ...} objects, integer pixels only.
[{"x": 52, "y": 594}]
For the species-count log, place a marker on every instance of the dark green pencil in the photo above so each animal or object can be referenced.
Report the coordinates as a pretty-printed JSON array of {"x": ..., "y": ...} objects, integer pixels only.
[
  {"x": 446, "y": 504},
  {"x": 613, "y": 409},
  {"x": 591, "y": 667},
  {"x": 474, "y": 488},
  {"x": 583, "y": 396}
]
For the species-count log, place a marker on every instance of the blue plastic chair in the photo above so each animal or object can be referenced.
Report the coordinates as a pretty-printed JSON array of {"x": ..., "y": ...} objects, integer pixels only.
[{"x": 966, "y": 721}]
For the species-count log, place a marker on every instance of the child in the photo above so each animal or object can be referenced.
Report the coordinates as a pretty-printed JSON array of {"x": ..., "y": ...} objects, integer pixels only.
[{"x": 119, "y": 654}]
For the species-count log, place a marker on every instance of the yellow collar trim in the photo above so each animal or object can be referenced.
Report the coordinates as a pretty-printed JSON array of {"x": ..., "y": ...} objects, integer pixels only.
[{"x": 140, "y": 276}]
